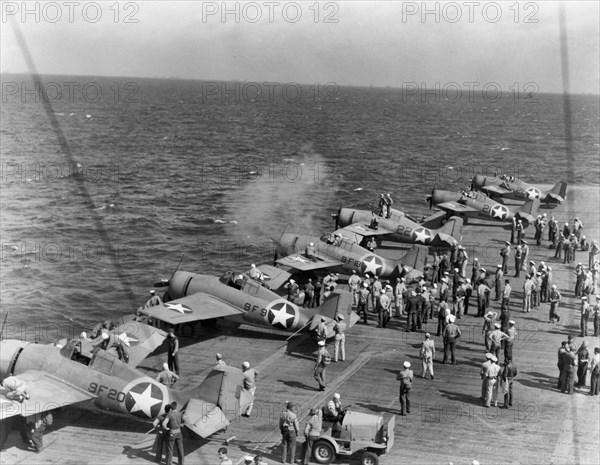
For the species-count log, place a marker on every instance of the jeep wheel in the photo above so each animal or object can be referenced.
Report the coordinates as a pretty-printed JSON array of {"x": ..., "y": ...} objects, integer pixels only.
[
  {"x": 323, "y": 452},
  {"x": 369, "y": 458}
]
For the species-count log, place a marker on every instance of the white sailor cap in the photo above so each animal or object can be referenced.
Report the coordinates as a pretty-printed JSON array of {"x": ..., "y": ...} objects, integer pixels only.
[
  {"x": 321, "y": 343},
  {"x": 497, "y": 325},
  {"x": 406, "y": 364},
  {"x": 511, "y": 322},
  {"x": 341, "y": 317},
  {"x": 488, "y": 355},
  {"x": 152, "y": 291}
]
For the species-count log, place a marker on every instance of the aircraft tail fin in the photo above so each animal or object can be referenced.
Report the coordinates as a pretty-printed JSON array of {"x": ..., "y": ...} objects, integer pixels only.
[
  {"x": 219, "y": 399},
  {"x": 453, "y": 227},
  {"x": 411, "y": 264},
  {"x": 528, "y": 210},
  {"x": 558, "y": 193},
  {"x": 338, "y": 303}
]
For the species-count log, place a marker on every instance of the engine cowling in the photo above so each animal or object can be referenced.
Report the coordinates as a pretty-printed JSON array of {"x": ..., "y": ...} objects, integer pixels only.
[{"x": 9, "y": 351}]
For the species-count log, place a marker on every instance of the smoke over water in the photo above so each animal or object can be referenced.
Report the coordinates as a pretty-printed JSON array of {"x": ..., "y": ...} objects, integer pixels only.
[{"x": 274, "y": 195}]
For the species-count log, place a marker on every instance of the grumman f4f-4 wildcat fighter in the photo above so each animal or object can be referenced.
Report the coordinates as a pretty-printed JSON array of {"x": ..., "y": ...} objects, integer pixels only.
[
  {"x": 509, "y": 187},
  {"x": 473, "y": 204},
  {"x": 246, "y": 299},
  {"x": 334, "y": 252},
  {"x": 397, "y": 228},
  {"x": 79, "y": 372}
]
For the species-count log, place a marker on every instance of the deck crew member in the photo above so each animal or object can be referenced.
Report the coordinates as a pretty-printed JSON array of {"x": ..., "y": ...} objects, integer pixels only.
[
  {"x": 353, "y": 285},
  {"x": 310, "y": 251},
  {"x": 339, "y": 346},
  {"x": 255, "y": 273},
  {"x": 173, "y": 348},
  {"x": 154, "y": 300},
  {"x": 172, "y": 426},
  {"x": 363, "y": 302},
  {"x": 323, "y": 359},
  {"x": 312, "y": 431},
  {"x": 167, "y": 377},
  {"x": 483, "y": 373},
  {"x": 451, "y": 336},
  {"x": 160, "y": 441},
  {"x": 508, "y": 373},
  {"x": 427, "y": 355},
  {"x": 491, "y": 374},
  {"x": 289, "y": 428},
  {"x": 506, "y": 295},
  {"x": 510, "y": 341},
  {"x": 406, "y": 379},
  {"x": 249, "y": 376},
  {"x": 505, "y": 253},
  {"x": 554, "y": 299}
]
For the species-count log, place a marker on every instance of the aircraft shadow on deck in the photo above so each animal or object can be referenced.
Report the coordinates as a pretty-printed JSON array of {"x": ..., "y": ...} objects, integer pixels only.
[{"x": 539, "y": 381}]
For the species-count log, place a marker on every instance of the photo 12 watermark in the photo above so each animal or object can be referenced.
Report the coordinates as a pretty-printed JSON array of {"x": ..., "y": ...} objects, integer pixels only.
[
  {"x": 471, "y": 12},
  {"x": 270, "y": 12},
  {"x": 268, "y": 92},
  {"x": 455, "y": 92},
  {"x": 70, "y": 92},
  {"x": 70, "y": 12}
]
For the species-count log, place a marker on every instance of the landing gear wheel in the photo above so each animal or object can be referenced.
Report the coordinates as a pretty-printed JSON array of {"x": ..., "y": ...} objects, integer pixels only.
[
  {"x": 323, "y": 452},
  {"x": 369, "y": 458}
]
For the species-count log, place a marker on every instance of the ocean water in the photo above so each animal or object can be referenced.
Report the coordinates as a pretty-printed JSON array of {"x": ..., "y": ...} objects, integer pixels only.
[{"x": 127, "y": 177}]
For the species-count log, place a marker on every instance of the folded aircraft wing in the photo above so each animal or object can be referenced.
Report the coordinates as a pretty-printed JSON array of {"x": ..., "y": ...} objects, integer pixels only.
[
  {"x": 456, "y": 207},
  {"x": 46, "y": 392},
  {"x": 495, "y": 189},
  {"x": 141, "y": 339},
  {"x": 302, "y": 263},
  {"x": 362, "y": 230},
  {"x": 194, "y": 307},
  {"x": 204, "y": 418},
  {"x": 274, "y": 277}
]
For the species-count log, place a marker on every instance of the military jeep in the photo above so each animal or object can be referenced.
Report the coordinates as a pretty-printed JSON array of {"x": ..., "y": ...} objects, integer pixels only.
[{"x": 363, "y": 434}]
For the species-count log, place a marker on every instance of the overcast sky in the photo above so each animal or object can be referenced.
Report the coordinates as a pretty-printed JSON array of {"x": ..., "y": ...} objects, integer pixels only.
[{"x": 356, "y": 43}]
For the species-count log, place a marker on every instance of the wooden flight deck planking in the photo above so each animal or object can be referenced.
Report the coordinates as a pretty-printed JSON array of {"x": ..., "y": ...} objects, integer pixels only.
[{"x": 447, "y": 422}]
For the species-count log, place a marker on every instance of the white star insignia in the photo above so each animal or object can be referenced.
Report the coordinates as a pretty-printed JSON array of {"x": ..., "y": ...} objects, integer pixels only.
[
  {"x": 372, "y": 265},
  {"x": 144, "y": 401},
  {"x": 178, "y": 308},
  {"x": 422, "y": 235},
  {"x": 126, "y": 339},
  {"x": 499, "y": 212},
  {"x": 281, "y": 315},
  {"x": 533, "y": 193}
]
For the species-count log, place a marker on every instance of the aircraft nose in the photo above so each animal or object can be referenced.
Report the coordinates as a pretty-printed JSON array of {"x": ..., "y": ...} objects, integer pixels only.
[
  {"x": 478, "y": 181},
  {"x": 345, "y": 217}
]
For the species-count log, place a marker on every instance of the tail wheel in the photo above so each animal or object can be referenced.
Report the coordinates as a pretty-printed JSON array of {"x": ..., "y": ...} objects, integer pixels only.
[
  {"x": 323, "y": 452},
  {"x": 369, "y": 458}
]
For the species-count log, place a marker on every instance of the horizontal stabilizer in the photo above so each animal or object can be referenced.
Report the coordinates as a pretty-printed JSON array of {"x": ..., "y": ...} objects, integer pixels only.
[
  {"x": 528, "y": 210},
  {"x": 558, "y": 193},
  {"x": 453, "y": 227},
  {"x": 204, "y": 418},
  {"x": 434, "y": 221}
]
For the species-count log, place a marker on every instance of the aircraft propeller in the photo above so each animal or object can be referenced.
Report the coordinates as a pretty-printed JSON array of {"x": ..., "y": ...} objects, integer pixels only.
[
  {"x": 165, "y": 282},
  {"x": 337, "y": 217},
  {"x": 429, "y": 198}
]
